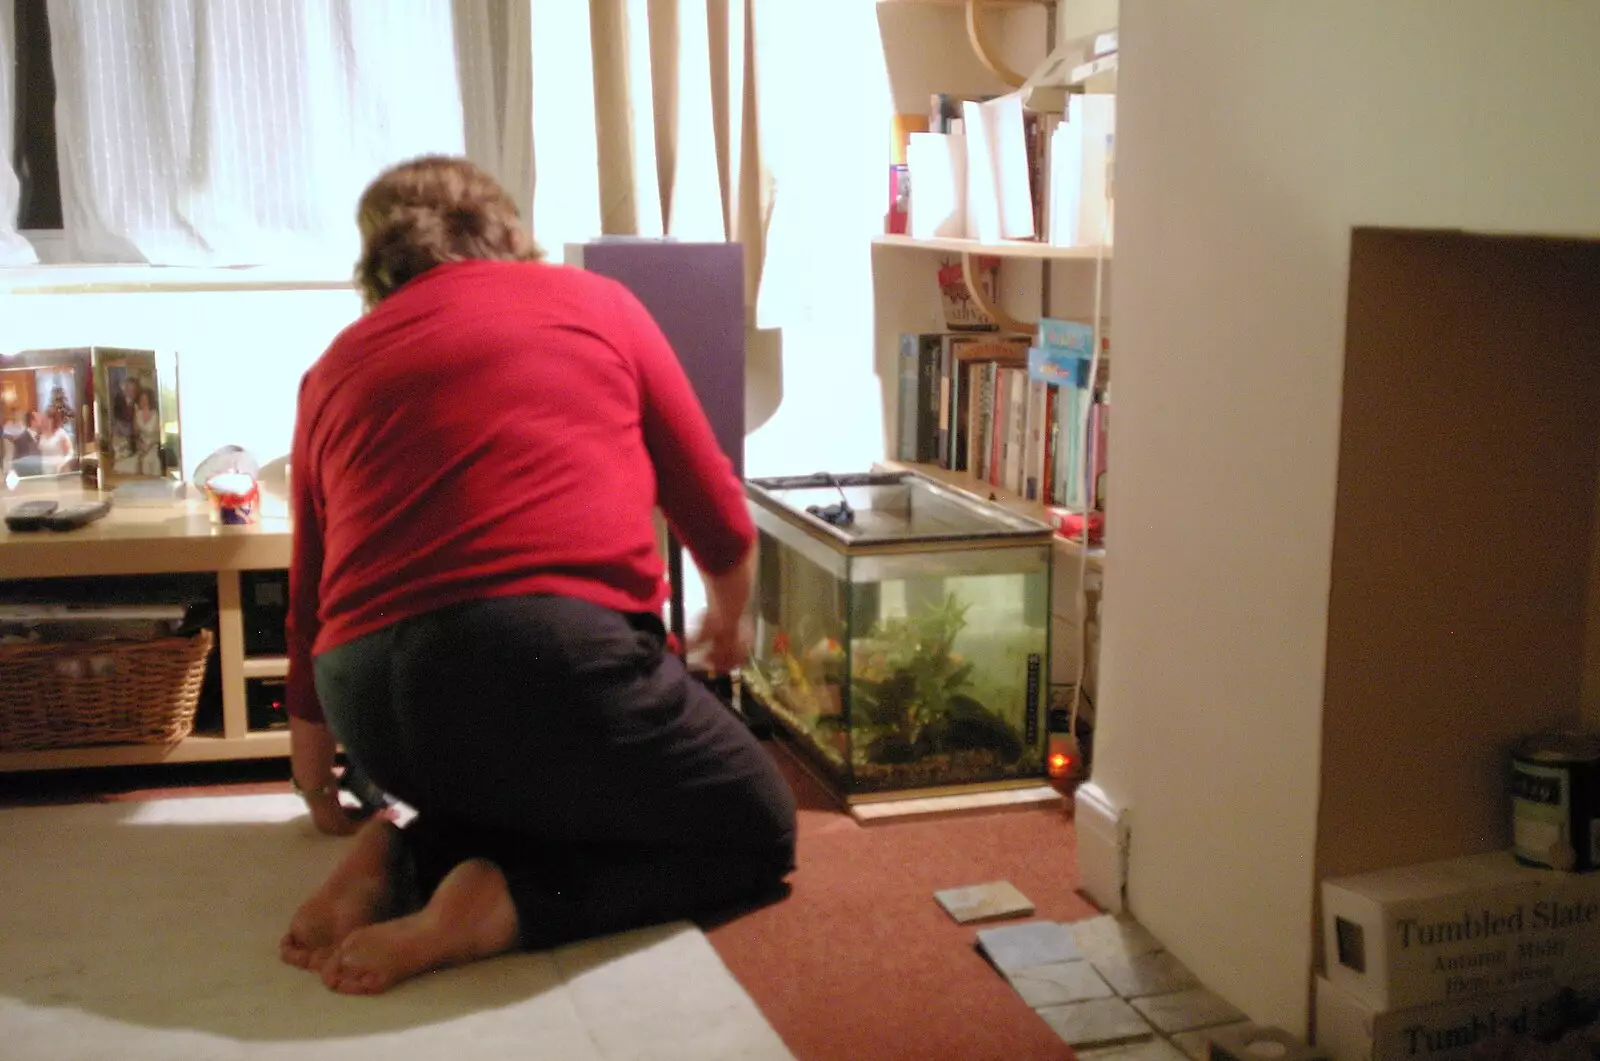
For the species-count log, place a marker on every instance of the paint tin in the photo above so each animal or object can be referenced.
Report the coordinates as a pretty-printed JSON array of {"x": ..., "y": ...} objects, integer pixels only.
[{"x": 1555, "y": 800}]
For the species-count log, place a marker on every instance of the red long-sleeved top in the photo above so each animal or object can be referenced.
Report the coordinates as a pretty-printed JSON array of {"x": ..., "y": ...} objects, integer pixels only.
[{"x": 491, "y": 429}]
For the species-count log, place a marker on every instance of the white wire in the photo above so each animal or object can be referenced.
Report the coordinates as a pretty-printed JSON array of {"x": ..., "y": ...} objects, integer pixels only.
[{"x": 1083, "y": 429}]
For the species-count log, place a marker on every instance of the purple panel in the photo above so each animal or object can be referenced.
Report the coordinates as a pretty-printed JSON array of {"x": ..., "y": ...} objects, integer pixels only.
[{"x": 695, "y": 291}]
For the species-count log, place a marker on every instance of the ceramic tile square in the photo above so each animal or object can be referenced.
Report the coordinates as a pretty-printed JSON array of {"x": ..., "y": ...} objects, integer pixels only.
[
  {"x": 984, "y": 902},
  {"x": 1183, "y": 1011},
  {"x": 1195, "y": 1043},
  {"x": 1156, "y": 973},
  {"x": 1113, "y": 938},
  {"x": 1258, "y": 1042},
  {"x": 1012, "y": 947},
  {"x": 1098, "y": 1022},
  {"x": 1155, "y": 1049},
  {"x": 1058, "y": 983}
]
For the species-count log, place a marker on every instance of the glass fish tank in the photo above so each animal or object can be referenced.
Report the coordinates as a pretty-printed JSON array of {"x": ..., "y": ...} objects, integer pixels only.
[{"x": 902, "y": 632}]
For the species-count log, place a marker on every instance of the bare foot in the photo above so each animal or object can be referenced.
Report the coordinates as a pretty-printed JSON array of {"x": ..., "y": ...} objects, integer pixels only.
[
  {"x": 359, "y": 891},
  {"x": 469, "y": 917}
]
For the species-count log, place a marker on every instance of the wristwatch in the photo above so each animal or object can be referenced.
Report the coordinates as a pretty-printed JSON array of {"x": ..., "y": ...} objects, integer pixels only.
[{"x": 327, "y": 788}]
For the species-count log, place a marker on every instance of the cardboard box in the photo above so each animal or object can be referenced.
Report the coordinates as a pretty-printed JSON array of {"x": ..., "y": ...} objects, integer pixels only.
[
  {"x": 1349, "y": 1029},
  {"x": 1455, "y": 929}
]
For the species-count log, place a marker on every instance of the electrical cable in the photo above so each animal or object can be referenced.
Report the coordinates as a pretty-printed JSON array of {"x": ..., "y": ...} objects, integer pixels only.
[
  {"x": 1083, "y": 430},
  {"x": 837, "y": 515}
]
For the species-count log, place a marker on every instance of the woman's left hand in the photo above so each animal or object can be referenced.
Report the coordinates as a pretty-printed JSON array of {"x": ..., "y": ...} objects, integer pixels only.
[
  {"x": 724, "y": 641},
  {"x": 333, "y": 817}
]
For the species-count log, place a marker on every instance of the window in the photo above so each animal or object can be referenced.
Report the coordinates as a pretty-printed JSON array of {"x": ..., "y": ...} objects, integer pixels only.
[{"x": 34, "y": 123}]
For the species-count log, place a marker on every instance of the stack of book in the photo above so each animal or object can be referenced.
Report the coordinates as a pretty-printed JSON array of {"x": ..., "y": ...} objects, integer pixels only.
[
  {"x": 991, "y": 169},
  {"x": 1019, "y": 412}
]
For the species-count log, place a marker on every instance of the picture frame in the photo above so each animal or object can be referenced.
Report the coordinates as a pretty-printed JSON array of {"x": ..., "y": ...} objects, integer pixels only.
[
  {"x": 47, "y": 416},
  {"x": 137, "y": 427}
]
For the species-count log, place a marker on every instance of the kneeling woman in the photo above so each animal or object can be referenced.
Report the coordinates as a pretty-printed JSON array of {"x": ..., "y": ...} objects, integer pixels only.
[{"x": 475, "y": 606}]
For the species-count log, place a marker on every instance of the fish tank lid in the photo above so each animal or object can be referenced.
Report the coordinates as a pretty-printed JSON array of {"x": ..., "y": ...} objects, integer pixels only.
[{"x": 865, "y": 509}]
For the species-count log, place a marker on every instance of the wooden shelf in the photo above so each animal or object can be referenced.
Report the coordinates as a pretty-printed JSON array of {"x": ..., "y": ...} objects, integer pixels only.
[
  {"x": 196, "y": 749},
  {"x": 266, "y": 667},
  {"x": 1004, "y": 249},
  {"x": 139, "y": 539},
  {"x": 157, "y": 539},
  {"x": 988, "y": 492}
]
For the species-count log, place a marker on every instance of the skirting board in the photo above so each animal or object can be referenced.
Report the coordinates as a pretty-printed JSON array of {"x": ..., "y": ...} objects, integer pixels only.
[{"x": 1102, "y": 848}]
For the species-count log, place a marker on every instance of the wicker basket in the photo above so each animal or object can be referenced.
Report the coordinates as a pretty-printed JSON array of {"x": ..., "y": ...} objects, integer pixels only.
[{"x": 65, "y": 694}]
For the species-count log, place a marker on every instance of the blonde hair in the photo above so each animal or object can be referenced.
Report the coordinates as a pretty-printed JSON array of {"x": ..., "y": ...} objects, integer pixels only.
[{"x": 432, "y": 210}]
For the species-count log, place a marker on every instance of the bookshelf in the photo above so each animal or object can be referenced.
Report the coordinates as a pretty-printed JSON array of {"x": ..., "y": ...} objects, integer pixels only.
[{"x": 930, "y": 49}]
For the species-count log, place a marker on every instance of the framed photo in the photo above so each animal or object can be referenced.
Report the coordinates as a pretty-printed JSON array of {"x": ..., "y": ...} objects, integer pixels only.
[
  {"x": 47, "y": 418},
  {"x": 136, "y": 413}
]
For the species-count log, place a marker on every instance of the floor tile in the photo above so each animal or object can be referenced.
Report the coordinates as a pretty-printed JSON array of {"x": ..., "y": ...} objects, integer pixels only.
[
  {"x": 1261, "y": 1042},
  {"x": 984, "y": 902},
  {"x": 1156, "y": 1049},
  {"x": 1058, "y": 983},
  {"x": 1156, "y": 973},
  {"x": 1097, "y": 1022},
  {"x": 1012, "y": 947},
  {"x": 1113, "y": 938},
  {"x": 1195, "y": 1043},
  {"x": 1183, "y": 1011}
]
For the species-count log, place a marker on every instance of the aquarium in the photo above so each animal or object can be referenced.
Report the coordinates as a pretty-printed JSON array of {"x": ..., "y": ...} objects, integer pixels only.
[{"x": 902, "y": 631}]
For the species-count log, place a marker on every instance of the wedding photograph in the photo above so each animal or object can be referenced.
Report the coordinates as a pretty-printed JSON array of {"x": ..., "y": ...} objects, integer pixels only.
[
  {"x": 130, "y": 415},
  {"x": 42, "y": 431}
]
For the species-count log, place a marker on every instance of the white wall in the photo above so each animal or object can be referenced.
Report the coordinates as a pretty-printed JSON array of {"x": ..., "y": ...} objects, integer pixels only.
[
  {"x": 1252, "y": 135},
  {"x": 240, "y": 353},
  {"x": 1080, "y": 18}
]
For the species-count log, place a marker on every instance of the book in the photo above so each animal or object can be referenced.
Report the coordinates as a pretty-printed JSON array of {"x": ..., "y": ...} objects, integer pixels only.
[
  {"x": 984, "y": 902},
  {"x": 1080, "y": 171},
  {"x": 965, "y": 352},
  {"x": 936, "y": 166},
  {"x": 999, "y": 187},
  {"x": 918, "y": 424}
]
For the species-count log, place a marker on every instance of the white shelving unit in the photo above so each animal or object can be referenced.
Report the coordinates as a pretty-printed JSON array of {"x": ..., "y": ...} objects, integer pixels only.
[
  {"x": 1005, "y": 249},
  {"x": 153, "y": 540},
  {"x": 939, "y": 50}
]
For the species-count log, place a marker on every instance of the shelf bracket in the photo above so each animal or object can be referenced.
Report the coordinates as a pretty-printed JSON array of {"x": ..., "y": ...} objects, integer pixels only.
[
  {"x": 1004, "y": 320},
  {"x": 978, "y": 34}
]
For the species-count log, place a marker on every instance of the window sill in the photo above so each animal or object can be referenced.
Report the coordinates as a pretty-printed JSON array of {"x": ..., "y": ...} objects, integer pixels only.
[
  {"x": 136, "y": 279},
  {"x": 54, "y": 277}
]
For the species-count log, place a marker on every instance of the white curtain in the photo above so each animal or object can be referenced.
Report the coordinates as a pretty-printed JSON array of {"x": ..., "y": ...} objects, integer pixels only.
[
  {"x": 233, "y": 132},
  {"x": 14, "y": 250},
  {"x": 642, "y": 117},
  {"x": 495, "y": 62}
]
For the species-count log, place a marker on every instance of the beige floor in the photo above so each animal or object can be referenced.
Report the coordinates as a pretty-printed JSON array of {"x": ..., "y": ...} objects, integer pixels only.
[{"x": 147, "y": 932}]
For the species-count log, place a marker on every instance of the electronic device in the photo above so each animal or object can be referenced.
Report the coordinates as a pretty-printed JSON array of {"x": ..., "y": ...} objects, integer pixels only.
[
  {"x": 264, "y": 599},
  {"x": 1063, "y": 755},
  {"x": 263, "y": 704},
  {"x": 76, "y": 515},
  {"x": 29, "y": 515}
]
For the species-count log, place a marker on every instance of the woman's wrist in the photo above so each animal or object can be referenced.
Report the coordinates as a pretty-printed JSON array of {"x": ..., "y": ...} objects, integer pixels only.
[
  {"x": 311, "y": 760},
  {"x": 322, "y": 790}
]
